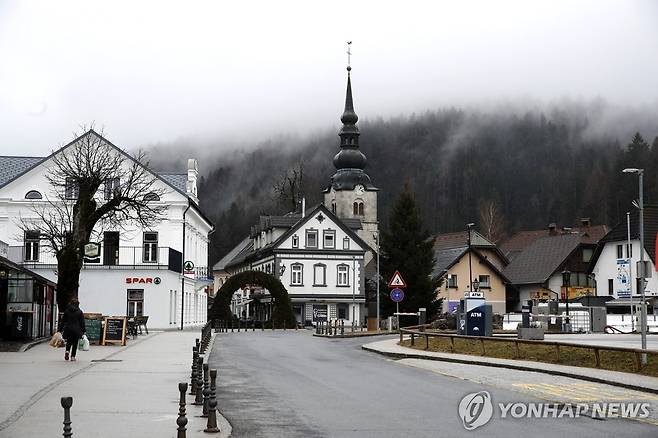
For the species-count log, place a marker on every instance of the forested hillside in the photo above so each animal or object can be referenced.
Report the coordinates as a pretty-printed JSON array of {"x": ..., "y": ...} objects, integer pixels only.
[{"x": 505, "y": 172}]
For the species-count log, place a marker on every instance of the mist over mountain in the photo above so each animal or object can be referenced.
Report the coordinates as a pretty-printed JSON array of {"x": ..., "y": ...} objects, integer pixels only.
[{"x": 534, "y": 163}]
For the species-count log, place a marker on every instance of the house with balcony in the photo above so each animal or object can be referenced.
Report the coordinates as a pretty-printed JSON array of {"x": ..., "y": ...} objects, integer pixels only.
[{"x": 160, "y": 272}]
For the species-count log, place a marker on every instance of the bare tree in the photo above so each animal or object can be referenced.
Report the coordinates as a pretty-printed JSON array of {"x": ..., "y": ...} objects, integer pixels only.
[
  {"x": 492, "y": 222},
  {"x": 94, "y": 186},
  {"x": 289, "y": 188}
]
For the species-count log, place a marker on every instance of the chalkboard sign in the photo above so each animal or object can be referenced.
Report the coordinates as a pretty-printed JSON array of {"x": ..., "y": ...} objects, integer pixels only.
[
  {"x": 93, "y": 327},
  {"x": 115, "y": 330}
]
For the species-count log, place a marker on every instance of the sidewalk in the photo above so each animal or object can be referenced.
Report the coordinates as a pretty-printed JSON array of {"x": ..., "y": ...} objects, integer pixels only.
[
  {"x": 390, "y": 347},
  {"x": 133, "y": 393}
]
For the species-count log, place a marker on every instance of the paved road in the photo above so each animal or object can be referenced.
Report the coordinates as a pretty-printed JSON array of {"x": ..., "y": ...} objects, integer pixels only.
[
  {"x": 290, "y": 384},
  {"x": 616, "y": 340}
]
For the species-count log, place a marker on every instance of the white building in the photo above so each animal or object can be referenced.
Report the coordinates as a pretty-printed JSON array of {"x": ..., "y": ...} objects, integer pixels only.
[
  {"x": 321, "y": 255},
  {"x": 139, "y": 271},
  {"x": 613, "y": 250}
]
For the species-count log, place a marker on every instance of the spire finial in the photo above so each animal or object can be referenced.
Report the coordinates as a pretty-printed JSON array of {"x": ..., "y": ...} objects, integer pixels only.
[{"x": 349, "y": 55}]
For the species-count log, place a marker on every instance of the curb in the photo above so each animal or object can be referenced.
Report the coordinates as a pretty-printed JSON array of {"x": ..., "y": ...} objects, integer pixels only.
[
  {"x": 31, "y": 344},
  {"x": 514, "y": 367},
  {"x": 222, "y": 422},
  {"x": 365, "y": 335}
]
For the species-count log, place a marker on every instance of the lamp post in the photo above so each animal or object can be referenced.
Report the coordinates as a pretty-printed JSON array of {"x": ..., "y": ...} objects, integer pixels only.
[
  {"x": 376, "y": 236},
  {"x": 475, "y": 285},
  {"x": 641, "y": 273},
  {"x": 566, "y": 281},
  {"x": 353, "y": 293},
  {"x": 470, "y": 270}
]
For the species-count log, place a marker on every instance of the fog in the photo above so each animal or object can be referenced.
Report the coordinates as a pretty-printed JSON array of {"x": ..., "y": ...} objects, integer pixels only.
[{"x": 189, "y": 73}]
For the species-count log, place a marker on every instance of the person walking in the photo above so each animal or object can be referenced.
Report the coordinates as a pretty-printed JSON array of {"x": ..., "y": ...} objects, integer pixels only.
[{"x": 72, "y": 328}]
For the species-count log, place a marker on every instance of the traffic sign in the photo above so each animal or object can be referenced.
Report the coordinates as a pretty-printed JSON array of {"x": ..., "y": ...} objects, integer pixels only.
[
  {"x": 397, "y": 295},
  {"x": 396, "y": 280}
]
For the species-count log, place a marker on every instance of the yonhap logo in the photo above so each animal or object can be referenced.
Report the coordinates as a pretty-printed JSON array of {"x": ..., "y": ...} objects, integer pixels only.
[{"x": 476, "y": 409}]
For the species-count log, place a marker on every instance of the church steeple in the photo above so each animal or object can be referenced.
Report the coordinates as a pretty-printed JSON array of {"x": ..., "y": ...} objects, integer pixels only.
[{"x": 349, "y": 161}]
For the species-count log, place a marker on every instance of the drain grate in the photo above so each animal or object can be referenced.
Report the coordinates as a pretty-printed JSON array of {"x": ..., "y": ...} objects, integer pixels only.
[{"x": 107, "y": 360}]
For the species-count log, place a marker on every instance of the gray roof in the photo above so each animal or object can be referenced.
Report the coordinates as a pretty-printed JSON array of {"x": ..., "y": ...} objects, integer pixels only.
[
  {"x": 445, "y": 258},
  {"x": 239, "y": 248},
  {"x": 176, "y": 180},
  {"x": 541, "y": 259},
  {"x": 12, "y": 167}
]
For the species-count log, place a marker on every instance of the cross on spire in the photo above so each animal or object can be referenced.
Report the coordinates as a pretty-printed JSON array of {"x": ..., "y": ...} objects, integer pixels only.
[{"x": 349, "y": 55}]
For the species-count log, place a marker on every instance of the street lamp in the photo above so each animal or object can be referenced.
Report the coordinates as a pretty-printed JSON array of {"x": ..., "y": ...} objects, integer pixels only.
[
  {"x": 566, "y": 281},
  {"x": 475, "y": 285},
  {"x": 641, "y": 275},
  {"x": 376, "y": 236},
  {"x": 470, "y": 270}
]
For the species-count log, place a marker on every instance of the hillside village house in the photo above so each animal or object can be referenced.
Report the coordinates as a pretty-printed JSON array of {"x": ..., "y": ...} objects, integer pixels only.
[
  {"x": 452, "y": 251},
  {"x": 139, "y": 271},
  {"x": 613, "y": 249},
  {"x": 322, "y": 254}
]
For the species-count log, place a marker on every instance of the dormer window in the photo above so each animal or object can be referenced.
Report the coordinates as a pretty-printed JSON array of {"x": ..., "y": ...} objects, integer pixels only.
[
  {"x": 295, "y": 241},
  {"x": 311, "y": 238},
  {"x": 33, "y": 194}
]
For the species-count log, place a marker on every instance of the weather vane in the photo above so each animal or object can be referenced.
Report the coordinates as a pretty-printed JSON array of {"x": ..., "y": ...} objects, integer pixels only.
[{"x": 349, "y": 54}]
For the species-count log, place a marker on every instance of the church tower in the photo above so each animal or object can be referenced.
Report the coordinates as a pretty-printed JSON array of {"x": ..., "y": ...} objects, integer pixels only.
[{"x": 351, "y": 194}]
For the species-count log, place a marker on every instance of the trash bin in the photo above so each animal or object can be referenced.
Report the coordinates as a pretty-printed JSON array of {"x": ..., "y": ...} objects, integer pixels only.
[{"x": 21, "y": 325}]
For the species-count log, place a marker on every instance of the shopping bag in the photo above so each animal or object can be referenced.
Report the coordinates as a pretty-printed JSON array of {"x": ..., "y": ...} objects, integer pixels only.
[
  {"x": 85, "y": 343},
  {"x": 57, "y": 340}
]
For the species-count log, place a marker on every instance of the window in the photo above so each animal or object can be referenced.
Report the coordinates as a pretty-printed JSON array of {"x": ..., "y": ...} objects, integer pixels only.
[
  {"x": 587, "y": 254},
  {"x": 295, "y": 241},
  {"x": 111, "y": 188},
  {"x": 611, "y": 286},
  {"x": 319, "y": 274},
  {"x": 357, "y": 208},
  {"x": 329, "y": 238},
  {"x": 71, "y": 189},
  {"x": 151, "y": 197},
  {"x": 629, "y": 250},
  {"x": 311, "y": 238},
  {"x": 31, "y": 246},
  {"x": 346, "y": 243},
  {"x": 343, "y": 311},
  {"x": 296, "y": 274},
  {"x": 33, "y": 194},
  {"x": 485, "y": 281},
  {"x": 620, "y": 252},
  {"x": 452, "y": 280},
  {"x": 150, "y": 247},
  {"x": 343, "y": 275},
  {"x": 333, "y": 207}
]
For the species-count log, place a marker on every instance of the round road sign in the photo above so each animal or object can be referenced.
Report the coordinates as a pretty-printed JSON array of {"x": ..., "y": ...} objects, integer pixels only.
[{"x": 397, "y": 295}]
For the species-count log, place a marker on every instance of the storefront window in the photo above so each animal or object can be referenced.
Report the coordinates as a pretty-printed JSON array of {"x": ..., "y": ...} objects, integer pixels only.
[{"x": 20, "y": 290}]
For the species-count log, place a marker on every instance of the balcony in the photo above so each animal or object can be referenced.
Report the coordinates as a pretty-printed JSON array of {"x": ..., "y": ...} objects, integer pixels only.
[{"x": 122, "y": 257}]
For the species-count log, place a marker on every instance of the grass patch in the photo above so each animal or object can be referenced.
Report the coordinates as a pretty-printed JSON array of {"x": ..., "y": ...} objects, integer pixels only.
[{"x": 568, "y": 355}]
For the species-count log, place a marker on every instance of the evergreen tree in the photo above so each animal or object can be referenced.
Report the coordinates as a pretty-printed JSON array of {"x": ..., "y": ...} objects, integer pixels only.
[{"x": 407, "y": 246}]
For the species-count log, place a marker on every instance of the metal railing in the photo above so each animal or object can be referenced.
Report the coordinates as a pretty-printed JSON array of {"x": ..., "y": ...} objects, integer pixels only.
[{"x": 420, "y": 331}]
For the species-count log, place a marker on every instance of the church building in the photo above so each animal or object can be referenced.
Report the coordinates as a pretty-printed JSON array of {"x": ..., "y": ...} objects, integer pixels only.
[{"x": 323, "y": 255}]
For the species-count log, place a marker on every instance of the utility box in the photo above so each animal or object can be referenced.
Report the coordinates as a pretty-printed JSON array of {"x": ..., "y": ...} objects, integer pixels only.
[{"x": 598, "y": 319}]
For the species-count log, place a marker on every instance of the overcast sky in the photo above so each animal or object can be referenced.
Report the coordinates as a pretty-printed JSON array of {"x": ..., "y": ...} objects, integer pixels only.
[{"x": 158, "y": 71}]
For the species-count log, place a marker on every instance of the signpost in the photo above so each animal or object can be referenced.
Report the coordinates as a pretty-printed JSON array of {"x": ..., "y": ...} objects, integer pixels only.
[
  {"x": 189, "y": 267},
  {"x": 397, "y": 294}
]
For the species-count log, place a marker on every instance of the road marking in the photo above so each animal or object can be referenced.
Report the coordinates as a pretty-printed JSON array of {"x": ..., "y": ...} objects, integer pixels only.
[{"x": 584, "y": 392}]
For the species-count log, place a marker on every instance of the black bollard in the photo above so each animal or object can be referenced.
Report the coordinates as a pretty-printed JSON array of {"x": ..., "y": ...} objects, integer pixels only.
[
  {"x": 211, "y": 425},
  {"x": 195, "y": 355},
  {"x": 67, "y": 402},
  {"x": 206, "y": 390},
  {"x": 342, "y": 326},
  {"x": 198, "y": 399},
  {"x": 231, "y": 326},
  {"x": 182, "y": 419}
]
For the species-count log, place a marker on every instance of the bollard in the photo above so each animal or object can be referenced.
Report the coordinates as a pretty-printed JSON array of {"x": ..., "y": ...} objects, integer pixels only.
[
  {"x": 195, "y": 355},
  {"x": 198, "y": 396},
  {"x": 198, "y": 345},
  {"x": 329, "y": 328},
  {"x": 67, "y": 402},
  {"x": 206, "y": 390},
  {"x": 211, "y": 425},
  {"x": 342, "y": 327},
  {"x": 231, "y": 326},
  {"x": 253, "y": 325},
  {"x": 182, "y": 419}
]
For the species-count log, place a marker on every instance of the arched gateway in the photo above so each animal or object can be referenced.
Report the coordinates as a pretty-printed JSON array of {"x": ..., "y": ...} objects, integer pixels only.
[{"x": 282, "y": 313}]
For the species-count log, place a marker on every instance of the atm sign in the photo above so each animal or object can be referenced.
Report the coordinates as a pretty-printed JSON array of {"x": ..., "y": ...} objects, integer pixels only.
[{"x": 143, "y": 280}]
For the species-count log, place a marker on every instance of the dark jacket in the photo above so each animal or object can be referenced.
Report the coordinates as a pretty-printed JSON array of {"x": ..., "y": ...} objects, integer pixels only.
[{"x": 72, "y": 325}]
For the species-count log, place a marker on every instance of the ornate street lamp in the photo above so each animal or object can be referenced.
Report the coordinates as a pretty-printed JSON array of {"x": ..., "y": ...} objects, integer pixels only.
[{"x": 475, "y": 285}]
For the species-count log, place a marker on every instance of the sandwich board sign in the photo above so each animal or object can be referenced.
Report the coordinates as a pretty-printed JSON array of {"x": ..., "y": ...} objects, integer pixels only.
[{"x": 397, "y": 281}]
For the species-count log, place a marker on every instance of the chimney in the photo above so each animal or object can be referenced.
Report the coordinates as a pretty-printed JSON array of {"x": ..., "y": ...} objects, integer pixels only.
[
  {"x": 584, "y": 222},
  {"x": 552, "y": 228},
  {"x": 192, "y": 175}
]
